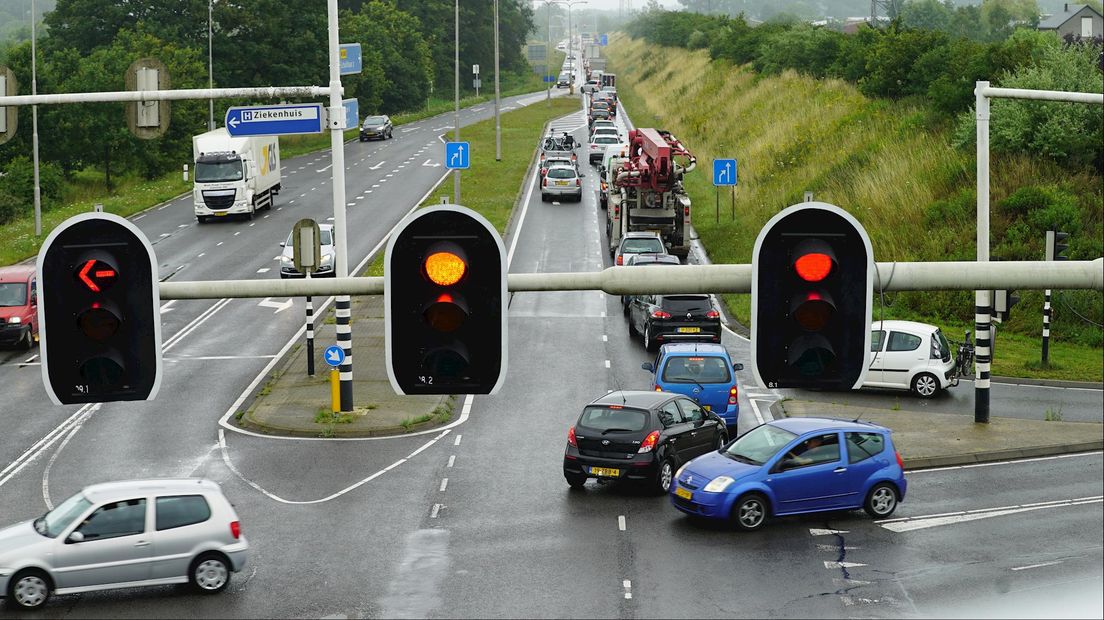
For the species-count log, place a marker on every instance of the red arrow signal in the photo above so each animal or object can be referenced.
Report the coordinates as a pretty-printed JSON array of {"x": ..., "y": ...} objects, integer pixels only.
[{"x": 94, "y": 273}]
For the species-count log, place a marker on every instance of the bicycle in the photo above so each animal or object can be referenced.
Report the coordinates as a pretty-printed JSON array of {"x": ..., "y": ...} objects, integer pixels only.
[{"x": 964, "y": 358}]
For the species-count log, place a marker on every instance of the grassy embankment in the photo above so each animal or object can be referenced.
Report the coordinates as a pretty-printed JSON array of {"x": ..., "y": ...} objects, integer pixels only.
[
  {"x": 876, "y": 159},
  {"x": 132, "y": 194}
]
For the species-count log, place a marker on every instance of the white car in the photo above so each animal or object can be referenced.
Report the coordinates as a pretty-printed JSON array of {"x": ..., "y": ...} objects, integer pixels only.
[
  {"x": 597, "y": 147},
  {"x": 606, "y": 131},
  {"x": 327, "y": 250},
  {"x": 910, "y": 356}
]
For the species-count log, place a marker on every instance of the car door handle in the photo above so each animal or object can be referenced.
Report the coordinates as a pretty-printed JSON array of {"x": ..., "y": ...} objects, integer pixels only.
[
  {"x": 142, "y": 543},
  {"x": 693, "y": 433},
  {"x": 839, "y": 470}
]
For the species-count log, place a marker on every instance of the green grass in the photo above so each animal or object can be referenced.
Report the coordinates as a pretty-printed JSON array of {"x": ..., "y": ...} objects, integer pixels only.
[{"x": 326, "y": 416}]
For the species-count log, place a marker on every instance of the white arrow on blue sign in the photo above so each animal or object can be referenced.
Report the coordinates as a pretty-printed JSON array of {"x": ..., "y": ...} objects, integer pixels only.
[
  {"x": 457, "y": 155},
  {"x": 335, "y": 355},
  {"x": 724, "y": 172},
  {"x": 275, "y": 120}
]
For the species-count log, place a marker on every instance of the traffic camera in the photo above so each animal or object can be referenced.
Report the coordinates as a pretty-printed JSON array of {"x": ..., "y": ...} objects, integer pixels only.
[
  {"x": 812, "y": 276},
  {"x": 99, "y": 312},
  {"x": 445, "y": 303}
]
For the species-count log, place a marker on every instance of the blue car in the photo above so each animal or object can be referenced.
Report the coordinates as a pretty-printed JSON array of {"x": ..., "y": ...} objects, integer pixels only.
[
  {"x": 701, "y": 370},
  {"x": 794, "y": 466}
]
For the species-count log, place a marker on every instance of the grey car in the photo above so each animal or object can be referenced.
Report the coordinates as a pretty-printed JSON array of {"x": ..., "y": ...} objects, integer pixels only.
[
  {"x": 376, "y": 128},
  {"x": 326, "y": 262},
  {"x": 562, "y": 182},
  {"x": 122, "y": 535}
]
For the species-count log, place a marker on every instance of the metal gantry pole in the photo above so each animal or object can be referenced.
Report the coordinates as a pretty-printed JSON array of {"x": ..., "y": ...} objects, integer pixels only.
[
  {"x": 34, "y": 125},
  {"x": 498, "y": 125},
  {"x": 342, "y": 303},
  {"x": 210, "y": 64},
  {"x": 456, "y": 88},
  {"x": 548, "y": 52},
  {"x": 982, "y": 301}
]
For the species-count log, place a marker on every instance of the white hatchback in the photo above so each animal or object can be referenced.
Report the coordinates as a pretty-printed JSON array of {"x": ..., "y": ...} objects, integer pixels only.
[{"x": 910, "y": 356}]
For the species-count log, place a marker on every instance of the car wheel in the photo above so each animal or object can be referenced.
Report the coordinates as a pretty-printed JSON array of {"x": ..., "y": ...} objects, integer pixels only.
[
  {"x": 575, "y": 481},
  {"x": 749, "y": 513},
  {"x": 390, "y": 133},
  {"x": 925, "y": 385},
  {"x": 544, "y": 197},
  {"x": 881, "y": 501},
  {"x": 665, "y": 476},
  {"x": 624, "y": 306},
  {"x": 27, "y": 342},
  {"x": 649, "y": 345},
  {"x": 29, "y": 589},
  {"x": 209, "y": 573}
]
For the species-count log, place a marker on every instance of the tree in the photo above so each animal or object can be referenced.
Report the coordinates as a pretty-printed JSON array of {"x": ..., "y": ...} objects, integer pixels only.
[{"x": 397, "y": 65}]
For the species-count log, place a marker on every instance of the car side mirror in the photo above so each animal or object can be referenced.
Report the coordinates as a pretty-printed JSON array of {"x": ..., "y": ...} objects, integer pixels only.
[
  {"x": 34, "y": 299},
  {"x": 737, "y": 367},
  {"x": 75, "y": 537},
  {"x": 282, "y": 244},
  {"x": 647, "y": 366}
]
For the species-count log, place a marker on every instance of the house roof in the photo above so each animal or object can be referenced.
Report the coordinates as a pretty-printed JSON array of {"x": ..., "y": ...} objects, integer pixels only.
[{"x": 1058, "y": 19}]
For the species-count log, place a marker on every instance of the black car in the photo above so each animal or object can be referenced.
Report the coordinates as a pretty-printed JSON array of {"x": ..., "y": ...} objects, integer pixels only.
[
  {"x": 376, "y": 127},
  {"x": 672, "y": 318},
  {"x": 639, "y": 435},
  {"x": 643, "y": 260}
]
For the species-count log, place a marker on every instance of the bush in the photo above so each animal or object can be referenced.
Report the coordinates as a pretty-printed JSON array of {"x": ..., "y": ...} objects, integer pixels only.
[
  {"x": 11, "y": 207},
  {"x": 808, "y": 50},
  {"x": 18, "y": 181}
]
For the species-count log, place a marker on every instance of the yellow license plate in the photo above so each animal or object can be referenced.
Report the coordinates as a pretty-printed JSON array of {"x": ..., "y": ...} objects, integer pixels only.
[
  {"x": 605, "y": 471},
  {"x": 683, "y": 493},
  {"x": 689, "y": 330},
  {"x": 561, "y": 182},
  {"x": 220, "y": 214}
]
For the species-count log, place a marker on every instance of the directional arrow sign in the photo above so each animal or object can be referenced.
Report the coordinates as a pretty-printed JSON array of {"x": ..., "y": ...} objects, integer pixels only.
[
  {"x": 275, "y": 120},
  {"x": 457, "y": 155},
  {"x": 724, "y": 172},
  {"x": 335, "y": 355}
]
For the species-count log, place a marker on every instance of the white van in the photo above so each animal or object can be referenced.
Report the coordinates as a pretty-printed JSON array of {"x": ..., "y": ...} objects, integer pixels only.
[{"x": 909, "y": 356}]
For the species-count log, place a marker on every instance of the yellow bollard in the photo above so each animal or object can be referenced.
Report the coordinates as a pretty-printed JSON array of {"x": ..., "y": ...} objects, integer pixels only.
[{"x": 335, "y": 390}]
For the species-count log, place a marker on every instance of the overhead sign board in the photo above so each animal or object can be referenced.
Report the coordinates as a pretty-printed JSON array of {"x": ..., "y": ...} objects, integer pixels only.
[
  {"x": 603, "y": 40},
  {"x": 724, "y": 172},
  {"x": 457, "y": 155},
  {"x": 352, "y": 113},
  {"x": 275, "y": 120},
  {"x": 350, "y": 58}
]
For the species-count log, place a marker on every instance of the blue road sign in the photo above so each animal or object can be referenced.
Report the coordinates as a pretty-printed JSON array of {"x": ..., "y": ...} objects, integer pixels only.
[
  {"x": 350, "y": 58},
  {"x": 603, "y": 40},
  {"x": 352, "y": 113},
  {"x": 275, "y": 120},
  {"x": 724, "y": 172},
  {"x": 457, "y": 155},
  {"x": 335, "y": 355}
]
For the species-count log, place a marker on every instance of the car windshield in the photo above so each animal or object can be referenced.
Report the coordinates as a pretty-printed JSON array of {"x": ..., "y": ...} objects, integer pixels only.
[
  {"x": 605, "y": 139},
  {"x": 13, "y": 294},
  {"x": 562, "y": 173},
  {"x": 686, "y": 303},
  {"x": 696, "y": 369},
  {"x": 325, "y": 237},
  {"x": 218, "y": 172},
  {"x": 642, "y": 246},
  {"x": 613, "y": 418},
  {"x": 374, "y": 120},
  {"x": 549, "y": 163},
  {"x": 55, "y": 521},
  {"x": 758, "y": 445}
]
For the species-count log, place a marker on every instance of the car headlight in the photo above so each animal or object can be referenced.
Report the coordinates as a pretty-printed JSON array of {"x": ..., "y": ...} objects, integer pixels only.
[
  {"x": 327, "y": 260},
  {"x": 15, "y": 320},
  {"x": 286, "y": 261},
  {"x": 718, "y": 484}
]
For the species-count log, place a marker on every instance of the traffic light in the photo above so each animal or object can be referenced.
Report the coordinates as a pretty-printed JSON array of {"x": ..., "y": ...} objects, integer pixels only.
[
  {"x": 1056, "y": 244},
  {"x": 445, "y": 303},
  {"x": 99, "y": 312},
  {"x": 812, "y": 276},
  {"x": 1003, "y": 301}
]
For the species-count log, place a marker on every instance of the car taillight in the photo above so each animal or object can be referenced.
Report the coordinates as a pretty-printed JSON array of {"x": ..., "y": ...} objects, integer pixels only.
[
  {"x": 732, "y": 395},
  {"x": 659, "y": 389},
  {"x": 578, "y": 182},
  {"x": 661, "y": 314},
  {"x": 571, "y": 436},
  {"x": 620, "y": 260},
  {"x": 649, "y": 443},
  {"x": 235, "y": 529},
  {"x": 899, "y": 461},
  {"x": 712, "y": 314},
  {"x": 686, "y": 213},
  {"x": 603, "y": 186},
  {"x": 574, "y": 157},
  {"x": 544, "y": 183}
]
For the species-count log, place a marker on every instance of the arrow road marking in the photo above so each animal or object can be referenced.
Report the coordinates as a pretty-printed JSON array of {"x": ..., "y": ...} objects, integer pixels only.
[
  {"x": 324, "y": 169},
  {"x": 279, "y": 305},
  {"x": 838, "y": 565},
  {"x": 427, "y": 164},
  {"x": 167, "y": 307},
  {"x": 907, "y": 524},
  {"x": 820, "y": 532},
  {"x": 377, "y": 166}
]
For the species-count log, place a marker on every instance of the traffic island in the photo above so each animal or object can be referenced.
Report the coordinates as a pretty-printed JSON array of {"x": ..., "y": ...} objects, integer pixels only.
[
  {"x": 927, "y": 439},
  {"x": 291, "y": 403}
]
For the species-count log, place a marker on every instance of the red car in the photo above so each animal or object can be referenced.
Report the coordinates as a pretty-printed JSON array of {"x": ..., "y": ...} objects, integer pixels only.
[{"x": 18, "y": 306}]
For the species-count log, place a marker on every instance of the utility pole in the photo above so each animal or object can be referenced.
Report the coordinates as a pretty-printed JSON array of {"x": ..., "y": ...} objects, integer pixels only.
[
  {"x": 210, "y": 65},
  {"x": 456, "y": 87},
  {"x": 498, "y": 125},
  {"x": 34, "y": 125},
  {"x": 548, "y": 52},
  {"x": 342, "y": 304}
]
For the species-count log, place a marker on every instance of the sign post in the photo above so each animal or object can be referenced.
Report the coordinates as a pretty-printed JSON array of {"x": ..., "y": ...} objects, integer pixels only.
[
  {"x": 306, "y": 255},
  {"x": 724, "y": 174}
]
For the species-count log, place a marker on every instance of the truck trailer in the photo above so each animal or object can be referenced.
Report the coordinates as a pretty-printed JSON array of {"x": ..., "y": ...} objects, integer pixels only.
[{"x": 234, "y": 175}]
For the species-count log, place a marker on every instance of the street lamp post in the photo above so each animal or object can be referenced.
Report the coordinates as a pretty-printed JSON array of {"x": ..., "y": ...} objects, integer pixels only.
[
  {"x": 34, "y": 126},
  {"x": 498, "y": 126},
  {"x": 456, "y": 87},
  {"x": 210, "y": 65}
]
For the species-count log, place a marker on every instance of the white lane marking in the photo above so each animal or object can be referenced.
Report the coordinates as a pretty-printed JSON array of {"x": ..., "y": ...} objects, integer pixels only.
[
  {"x": 377, "y": 166},
  {"x": 220, "y": 243},
  {"x": 166, "y": 307},
  {"x": 31, "y": 359},
  {"x": 50, "y": 464},
  {"x": 521, "y": 220},
  {"x": 451, "y": 461},
  {"x": 1030, "y": 566},
  {"x": 607, "y": 363},
  {"x": 457, "y": 442},
  {"x": 621, "y": 522},
  {"x": 253, "y": 223},
  {"x": 280, "y": 306},
  {"x": 263, "y": 270},
  {"x": 196, "y": 322},
  {"x": 350, "y": 204},
  {"x": 825, "y": 532},
  {"x": 834, "y": 548},
  {"x": 237, "y": 233},
  {"x": 908, "y": 524},
  {"x": 394, "y": 465},
  {"x": 166, "y": 234},
  {"x": 419, "y": 450},
  {"x": 1009, "y": 462},
  {"x": 605, "y": 338},
  {"x": 201, "y": 255},
  {"x": 435, "y": 511},
  {"x": 139, "y": 217},
  {"x": 838, "y": 565},
  {"x": 41, "y": 445},
  {"x": 444, "y": 484},
  {"x": 755, "y": 410},
  {"x": 191, "y": 358}
]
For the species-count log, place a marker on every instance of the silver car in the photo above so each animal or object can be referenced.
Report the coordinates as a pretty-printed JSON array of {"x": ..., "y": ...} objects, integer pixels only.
[
  {"x": 562, "y": 182},
  {"x": 122, "y": 535},
  {"x": 325, "y": 264}
]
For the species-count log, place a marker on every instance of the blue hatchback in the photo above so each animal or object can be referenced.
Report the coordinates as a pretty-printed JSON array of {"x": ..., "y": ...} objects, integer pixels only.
[
  {"x": 794, "y": 466},
  {"x": 701, "y": 370}
]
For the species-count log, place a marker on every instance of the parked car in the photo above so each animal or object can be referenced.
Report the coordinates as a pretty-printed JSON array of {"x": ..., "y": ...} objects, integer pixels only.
[
  {"x": 703, "y": 371},
  {"x": 638, "y": 242},
  {"x": 667, "y": 318},
  {"x": 794, "y": 466},
  {"x": 18, "y": 306},
  {"x": 121, "y": 535},
  {"x": 562, "y": 182},
  {"x": 637, "y": 435},
  {"x": 326, "y": 263},
  {"x": 909, "y": 356},
  {"x": 645, "y": 260},
  {"x": 597, "y": 147},
  {"x": 376, "y": 127}
]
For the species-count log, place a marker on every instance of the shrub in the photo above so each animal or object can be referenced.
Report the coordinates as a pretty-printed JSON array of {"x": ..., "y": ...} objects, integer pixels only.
[
  {"x": 10, "y": 207},
  {"x": 18, "y": 180}
]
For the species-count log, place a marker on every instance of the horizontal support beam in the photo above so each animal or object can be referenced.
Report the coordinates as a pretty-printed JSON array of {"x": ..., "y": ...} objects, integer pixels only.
[
  {"x": 1042, "y": 95},
  {"x": 946, "y": 276},
  {"x": 270, "y": 92}
]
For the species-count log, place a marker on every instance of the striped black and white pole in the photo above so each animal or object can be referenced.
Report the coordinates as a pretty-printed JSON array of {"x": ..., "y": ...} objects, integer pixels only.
[
  {"x": 983, "y": 301},
  {"x": 1046, "y": 326},
  {"x": 984, "y": 359},
  {"x": 310, "y": 336},
  {"x": 345, "y": 341}
]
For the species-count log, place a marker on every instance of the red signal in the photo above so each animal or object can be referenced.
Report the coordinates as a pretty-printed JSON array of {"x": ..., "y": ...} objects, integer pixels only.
[
  {"x": 813, "y": 267},
  {"x": 96, "y": 275}
]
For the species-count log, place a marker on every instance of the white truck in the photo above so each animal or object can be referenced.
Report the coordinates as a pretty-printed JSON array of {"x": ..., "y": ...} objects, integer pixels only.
[{"x": 234, "y": 175}]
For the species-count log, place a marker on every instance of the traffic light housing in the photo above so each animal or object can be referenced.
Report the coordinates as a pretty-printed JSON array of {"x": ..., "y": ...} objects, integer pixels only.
[
  {"x": 1003, "y": 300},
  {"x": 99, "y": 312},
  {"x": 812, "y": 277},
  {"x": 1056, "y": 245},
  {"x": 445, "y": 303}
]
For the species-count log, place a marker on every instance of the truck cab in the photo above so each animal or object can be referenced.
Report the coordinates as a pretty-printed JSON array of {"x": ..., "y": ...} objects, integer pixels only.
[{"x": 234, "y": 175}]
